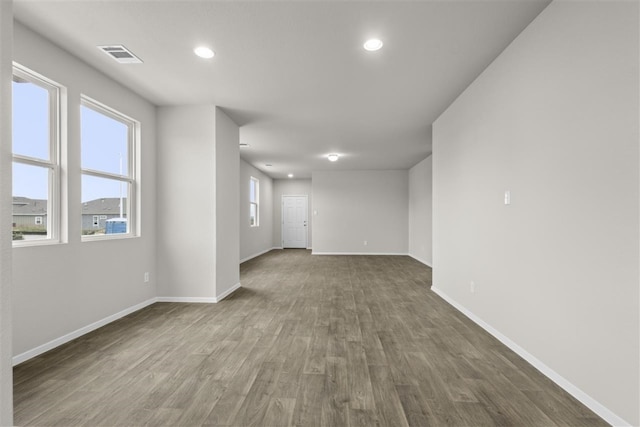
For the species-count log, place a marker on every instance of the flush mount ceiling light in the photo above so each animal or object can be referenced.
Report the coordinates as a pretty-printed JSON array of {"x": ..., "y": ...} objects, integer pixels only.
[
  {"x": 333, "y": 157},
  {"x": 204, "y": 52},
  {"x": 290, "y": 175},
  {"x": 372, "y": 44}
]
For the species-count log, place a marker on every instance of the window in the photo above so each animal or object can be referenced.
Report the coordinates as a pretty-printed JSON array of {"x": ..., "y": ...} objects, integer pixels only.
[
  {"x": 254, "y": 197},
  {"x": 36, "y": 161},
  {"x": 108, "y": 142}
]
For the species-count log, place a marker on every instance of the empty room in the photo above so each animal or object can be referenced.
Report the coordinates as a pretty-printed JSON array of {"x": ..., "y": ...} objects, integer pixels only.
[{"x": 320, "y": 213}]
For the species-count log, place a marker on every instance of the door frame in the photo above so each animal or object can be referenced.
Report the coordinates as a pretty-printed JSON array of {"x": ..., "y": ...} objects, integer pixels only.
[{"x": 306, "y": 196}]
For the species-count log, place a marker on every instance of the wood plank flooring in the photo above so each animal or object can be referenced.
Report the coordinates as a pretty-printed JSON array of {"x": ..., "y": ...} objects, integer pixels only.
[{"x": 307, "y": 341}]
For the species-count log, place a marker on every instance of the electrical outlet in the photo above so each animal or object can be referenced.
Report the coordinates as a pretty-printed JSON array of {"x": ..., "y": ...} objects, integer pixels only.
[
  {"x": 146, "y": 277},
  {"x": 472, "y": 288},
  {"x": 365, "y": 243}
]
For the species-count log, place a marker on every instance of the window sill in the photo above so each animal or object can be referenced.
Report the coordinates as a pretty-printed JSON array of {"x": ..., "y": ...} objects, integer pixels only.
[
  {"x": 33, "y": 243},
  {"x": 105, "y": 237}
]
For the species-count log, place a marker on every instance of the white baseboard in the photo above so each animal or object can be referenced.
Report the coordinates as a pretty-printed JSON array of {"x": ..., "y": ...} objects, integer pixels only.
[
  {"x": 203, "y": 300},
  {"x": 602, "y": 411},
  {"x": 228, "y": 292},
  {"x": 78, "y": 333},
  {"x": 359, "y": 253},
  {"x": 420, "y": 260},
  {"x": 209, "y": 300},
  {"x": 257, "y": 255}
]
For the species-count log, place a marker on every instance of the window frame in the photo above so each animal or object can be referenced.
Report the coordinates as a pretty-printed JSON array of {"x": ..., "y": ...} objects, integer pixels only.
[
  {"x": 53, "y": 164},
  {"x": 256, "y": 202},
  {"x": 131, "y": 180}
]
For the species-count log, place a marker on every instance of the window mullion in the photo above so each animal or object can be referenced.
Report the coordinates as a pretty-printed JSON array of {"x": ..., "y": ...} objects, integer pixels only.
[
  {"x": 107, "y": 175},
  {"x": 33, "y": 162}
]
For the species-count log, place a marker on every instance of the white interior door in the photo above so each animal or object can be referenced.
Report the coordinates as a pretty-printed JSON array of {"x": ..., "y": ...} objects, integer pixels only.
[{"x": 294, "y": 221}]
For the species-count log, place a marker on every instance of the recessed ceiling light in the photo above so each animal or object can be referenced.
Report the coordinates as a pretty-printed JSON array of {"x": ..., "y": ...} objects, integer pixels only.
[
  {"x": 204, "y": 52},
  {"x": 243, "y": 145},
  {"x": 333, "y": 157},
  {"x": 290, "y": 175},
  {"x": 373, "y": 44}
]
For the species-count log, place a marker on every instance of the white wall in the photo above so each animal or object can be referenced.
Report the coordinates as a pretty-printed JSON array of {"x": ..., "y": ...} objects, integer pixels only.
[
  {"x": 186, "y": 202},
  {"x": 420, "y": 217},
  {"x": 61, "y": 288},
  {"x": 554, "y": 120},
  {"x": 198, "y": 203},
  {"x": 290, "y": 187},
  {"x": 6, "y": 354},
  {"x": 227, "y": 213},
  {"x": 354, "y": 206},
  {"x": 255, "y": 240}
]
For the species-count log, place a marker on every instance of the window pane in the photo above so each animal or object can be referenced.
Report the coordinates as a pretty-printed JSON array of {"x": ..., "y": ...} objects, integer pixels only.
[
  {"x": 30, "y": 119},
  {"x": 253, "y": 215},
  {"x": 102, "y": 212},
  {"x": 105, "y": 143},
  {"x": 252, "y": 190},
  {"x": 30, "y": 202}
]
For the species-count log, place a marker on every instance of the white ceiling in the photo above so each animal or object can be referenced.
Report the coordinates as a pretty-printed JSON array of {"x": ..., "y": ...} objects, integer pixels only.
[{"x": 294, "y": 74}]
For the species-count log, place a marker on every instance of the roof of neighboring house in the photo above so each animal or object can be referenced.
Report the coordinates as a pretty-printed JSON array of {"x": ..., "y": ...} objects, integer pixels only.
[
  {"x": 105, "y": 206},
  {"x": 26, "y": 206}
]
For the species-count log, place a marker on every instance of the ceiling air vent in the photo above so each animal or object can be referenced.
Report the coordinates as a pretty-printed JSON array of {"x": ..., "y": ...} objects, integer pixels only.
[{"x": 121, "y": 54}]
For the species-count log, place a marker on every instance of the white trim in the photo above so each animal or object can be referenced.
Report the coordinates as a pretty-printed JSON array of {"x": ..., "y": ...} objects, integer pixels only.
[
  {"x": 204, "y": 300},
  {"x": 602, "y": 411},
  {"x": 78, "y": 332},
  {"x": 228, "y": 292},
  {"x": 56, "y": 93},
  {"x": 360, "y": 253},
  {"x": 209, "y": 300},
  {"x": 257, "y": 255},
  {"x": 131, "y": 179},
  {"x": 256, "y": 201},
  {"x": 420, "y": 260}
]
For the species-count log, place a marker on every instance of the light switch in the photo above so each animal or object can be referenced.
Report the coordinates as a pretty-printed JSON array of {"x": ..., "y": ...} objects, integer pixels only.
[{"x": 507, "y": 197}]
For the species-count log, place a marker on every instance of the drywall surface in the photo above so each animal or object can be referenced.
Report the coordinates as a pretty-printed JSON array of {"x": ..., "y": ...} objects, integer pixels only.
[
  {"x": 420, "y": 215},
  {"x": 6, "y": 297},
  {"x": 554, "y": 120},
  {"x": 290, "y": 187},
  {"x": 61, "y": 288},
  {"x": 255, "y": 240},
  {"x": 227, "y": 214},
  {"x": 354, "y": 207},
  {"x": 186, "y": 202}
]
